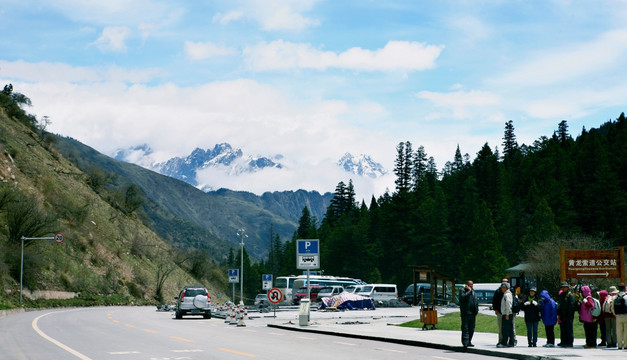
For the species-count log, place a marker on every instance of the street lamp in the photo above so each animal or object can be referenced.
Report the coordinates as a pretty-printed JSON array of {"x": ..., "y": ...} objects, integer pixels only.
[{"x": 242, "y": 234}]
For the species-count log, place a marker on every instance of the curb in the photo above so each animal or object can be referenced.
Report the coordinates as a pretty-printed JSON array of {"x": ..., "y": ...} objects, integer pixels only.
[{"x": 418, "y": 343}]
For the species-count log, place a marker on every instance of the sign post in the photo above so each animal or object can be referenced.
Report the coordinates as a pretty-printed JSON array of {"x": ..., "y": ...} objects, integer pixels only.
[
  {"x": 233, "y": 279},
  {"x": 58, "y": 238},
  {"x": 308, "y": 258},
  {"x": 604, "y": 264},
  {"x": 266, "y": 281},
  {"x": 275, "y": 296}
]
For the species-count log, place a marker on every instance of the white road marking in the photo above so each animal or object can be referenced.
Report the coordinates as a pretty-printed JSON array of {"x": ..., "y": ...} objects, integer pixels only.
[
  {"x": 123, "y": 352},
  {"x": 57, "y": 343},
  {"x": 277, "y": 334},
  {"x": 305, "y": 338},
  {"x": 392, "y": 350},
  {"x": 187, "y": 351},
  {"x": 442, "y": 358},
  {"x": 345, "y": 343}
]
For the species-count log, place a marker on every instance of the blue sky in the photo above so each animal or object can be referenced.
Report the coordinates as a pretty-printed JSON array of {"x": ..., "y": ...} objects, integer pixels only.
[{"x": 314, "y": 79}]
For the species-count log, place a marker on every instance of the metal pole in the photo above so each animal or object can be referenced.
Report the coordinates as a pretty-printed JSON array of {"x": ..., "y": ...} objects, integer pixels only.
[
  {"x": 22, "y": 271},
  {"x": 242, "y": 234}
]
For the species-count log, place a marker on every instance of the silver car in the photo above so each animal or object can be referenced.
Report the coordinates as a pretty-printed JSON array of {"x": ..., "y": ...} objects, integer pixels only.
[{"x": 193, "y": 300}]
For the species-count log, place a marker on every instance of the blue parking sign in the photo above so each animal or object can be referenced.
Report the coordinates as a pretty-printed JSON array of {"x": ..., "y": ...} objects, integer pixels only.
[
  {"x": 266, "y": 277},
  {"x": 308, "y": 246}
]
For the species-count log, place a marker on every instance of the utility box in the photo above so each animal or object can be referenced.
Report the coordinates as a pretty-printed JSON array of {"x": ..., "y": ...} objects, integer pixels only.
[{"x": 303, "y": 314}]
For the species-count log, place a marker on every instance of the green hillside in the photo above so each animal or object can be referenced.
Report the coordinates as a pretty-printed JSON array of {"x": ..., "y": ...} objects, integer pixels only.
[
  {"x": 109, "y": 255},
  {"x": 190, "y": 218}
]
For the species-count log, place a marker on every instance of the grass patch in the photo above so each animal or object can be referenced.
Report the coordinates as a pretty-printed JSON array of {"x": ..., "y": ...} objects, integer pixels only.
[{"x": 487, "y": 324}]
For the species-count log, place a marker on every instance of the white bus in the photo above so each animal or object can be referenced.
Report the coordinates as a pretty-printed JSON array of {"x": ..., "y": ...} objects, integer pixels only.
[{"x": 287, "y": 284}]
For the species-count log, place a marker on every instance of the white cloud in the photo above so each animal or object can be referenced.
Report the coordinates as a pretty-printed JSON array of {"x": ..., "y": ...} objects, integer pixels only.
[
  {"x": 113, "y": 39},
  {"x": 461, "y": 103},
  {"x": 224, "y": 19},
  {"x": 566, "y": 64},
  {"x": 394, "y": 56},
  {"x": 59, "y": 72},
  {"x": 205, "y": 50}
]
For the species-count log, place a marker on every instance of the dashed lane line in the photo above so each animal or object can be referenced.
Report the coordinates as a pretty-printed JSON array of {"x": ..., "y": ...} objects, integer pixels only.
[
  {"x": 238, "y": 352},
  {"x": 181, "y": 339},
  {"x": 345, "y": 343},
  {"x": 149, "y": 331},
  {"x": 392, "y": 350}
]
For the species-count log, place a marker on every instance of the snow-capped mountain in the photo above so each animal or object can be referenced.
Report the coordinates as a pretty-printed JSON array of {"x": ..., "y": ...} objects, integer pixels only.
[
  {"x": 232, "y": 162},
  {"x": 362, "y": 165}
]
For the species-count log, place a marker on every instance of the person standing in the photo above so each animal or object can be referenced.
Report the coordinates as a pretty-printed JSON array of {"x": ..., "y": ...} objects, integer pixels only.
[
  {"x": 566, "y": 312},
  {"x": 507, "y": 325},
  {"x": 496, "y": 306},
  {"x": 609, "y": 317},
  {"x": 468, "y": 309},
  {"x": 620, "y": 308},
  {"x": 531, "y": 307},
  {"x": 548, "y": 311},
  {"x": 601, "y": 319},
  {"x": 585, "y": 316}
]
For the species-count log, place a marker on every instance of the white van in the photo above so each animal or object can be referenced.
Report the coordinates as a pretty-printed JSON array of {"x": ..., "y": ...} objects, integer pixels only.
[{"x": 379, "y": 292}]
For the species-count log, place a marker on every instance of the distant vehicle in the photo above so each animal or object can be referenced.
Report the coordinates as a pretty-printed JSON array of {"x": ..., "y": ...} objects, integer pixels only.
[
  {"x": 261, "y": 300},
  {"x": 287, "y": 284},
  {"x": 485, "y": 292},
  {"x": 329, "y": 291},
  {"x": 193, "y": 300},
  {"x": 379, "y": 292},
  {"x": 423, "y": 294},
  {"x": 353, "y": 289},
  {"x": 302, "y": 293}
]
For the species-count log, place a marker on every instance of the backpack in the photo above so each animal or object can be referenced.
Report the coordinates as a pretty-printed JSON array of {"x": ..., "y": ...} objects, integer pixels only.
[
  {"x": 619, "y": 305},
  {"x": 515, "y": 304},
  {"x": 596, "y": 309}
]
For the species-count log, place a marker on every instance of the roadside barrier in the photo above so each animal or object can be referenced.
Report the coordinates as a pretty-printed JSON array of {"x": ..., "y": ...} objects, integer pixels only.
[
  {"x": 241, "y": 318},
  {"x": 233, "y": 316}
]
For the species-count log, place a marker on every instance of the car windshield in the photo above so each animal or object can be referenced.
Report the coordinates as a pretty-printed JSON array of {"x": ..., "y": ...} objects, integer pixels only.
[
  {"x": 366, "y": 289},
  {"x": 261, "y": 296},
  {"x": 194, "y": 292}
]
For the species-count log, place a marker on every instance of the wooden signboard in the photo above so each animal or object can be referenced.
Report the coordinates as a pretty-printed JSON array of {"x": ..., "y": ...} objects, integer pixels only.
[{"x": 579, "y": 264}]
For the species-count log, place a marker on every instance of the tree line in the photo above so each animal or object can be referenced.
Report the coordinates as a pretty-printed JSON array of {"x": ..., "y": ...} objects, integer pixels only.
[{"x": 473, "y": 219}]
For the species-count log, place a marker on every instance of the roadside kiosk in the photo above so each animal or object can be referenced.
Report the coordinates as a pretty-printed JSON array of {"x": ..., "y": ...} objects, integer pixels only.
[{"x": 442, "y": 292}]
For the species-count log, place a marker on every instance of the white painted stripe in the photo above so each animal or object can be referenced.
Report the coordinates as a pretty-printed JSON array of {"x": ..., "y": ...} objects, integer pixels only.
[
  {"x": 305, "y": 338},
  {"x": 123, "y": 352},
  {"x": 345, "y": 343},
  {"x": 392, "y": 350},
  {"x": 442, "y": 358},
  {"x": 187, "y": 351},
  {"x": 57, "y": 343}
]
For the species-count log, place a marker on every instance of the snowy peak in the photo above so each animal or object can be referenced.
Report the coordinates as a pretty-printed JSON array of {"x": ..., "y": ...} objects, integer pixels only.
[{"x": 361, "y": 165}]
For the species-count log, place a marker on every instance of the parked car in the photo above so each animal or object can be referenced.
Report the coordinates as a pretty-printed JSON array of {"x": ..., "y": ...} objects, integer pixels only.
[
  {"x": 261, "y": 300},
  {"x": 329, "y": 291},
  {"x": 193, "y": 300},
  {"x": 379, "y": 292},
  {"x": 302, "y": 293},
  {"x": 423, "y": 291},
  {"x": 353, "y": 289}
]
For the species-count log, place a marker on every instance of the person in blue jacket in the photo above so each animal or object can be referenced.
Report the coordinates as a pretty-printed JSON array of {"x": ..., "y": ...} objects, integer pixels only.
[{"x": 548, "y": 312}]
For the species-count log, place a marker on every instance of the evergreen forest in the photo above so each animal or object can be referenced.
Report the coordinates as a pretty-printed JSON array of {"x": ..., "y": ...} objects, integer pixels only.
[{"x": 474, "y": 219}]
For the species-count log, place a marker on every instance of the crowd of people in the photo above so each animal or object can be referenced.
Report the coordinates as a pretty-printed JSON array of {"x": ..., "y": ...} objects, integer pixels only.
[{"x": 607, "y": 311}]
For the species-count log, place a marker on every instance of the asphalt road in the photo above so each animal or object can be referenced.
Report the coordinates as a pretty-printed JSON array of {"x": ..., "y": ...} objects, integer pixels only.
[{"x": 130, "y": 333}]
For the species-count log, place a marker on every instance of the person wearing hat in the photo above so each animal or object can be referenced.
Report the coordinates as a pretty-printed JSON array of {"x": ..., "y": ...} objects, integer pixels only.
[
  {"x": 609, "y": 317},
  {"x": 507, "y": 325},
  {"x": 566, "y": 312},
  {"x": 531, "y": 307}
]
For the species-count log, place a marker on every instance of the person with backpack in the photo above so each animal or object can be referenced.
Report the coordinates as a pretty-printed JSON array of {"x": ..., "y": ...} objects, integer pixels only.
[
  {"x": 508, "y": 317},
  {"x": 531, "y": 307},
  {"x": 548, "y": 312},
  {"x": 609, "y": 317},
  {"x": 620, "y": 308},
  {"x": 566, "y": 312},
  {"x": 586, "y": 316}
]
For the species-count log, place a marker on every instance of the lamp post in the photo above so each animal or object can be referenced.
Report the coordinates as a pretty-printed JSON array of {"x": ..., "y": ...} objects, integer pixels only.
[{"x": 242, "y": 234}]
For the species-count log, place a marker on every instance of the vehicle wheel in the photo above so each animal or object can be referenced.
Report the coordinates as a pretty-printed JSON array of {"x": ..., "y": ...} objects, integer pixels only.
[
  {"x": 207, "y": 315},
  {"x": 178, "y": 315}
]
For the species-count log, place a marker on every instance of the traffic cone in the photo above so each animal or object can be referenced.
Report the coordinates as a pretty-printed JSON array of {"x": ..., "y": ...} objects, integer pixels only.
[
  {"x": 245, "y": 312},
  {"x": 227, "y": 317},
  {"x": 241, "y": 318},
  {"x": 233, "y": 316}
]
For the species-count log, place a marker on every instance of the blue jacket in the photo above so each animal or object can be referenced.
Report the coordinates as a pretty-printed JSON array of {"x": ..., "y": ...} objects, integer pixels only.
[{"x": 548, "y": 309}]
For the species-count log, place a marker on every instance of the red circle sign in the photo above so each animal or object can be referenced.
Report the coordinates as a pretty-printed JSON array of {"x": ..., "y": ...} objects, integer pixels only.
[
  {"x": 275, "y": 295},
  {"x": 58, "y": 237}
]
